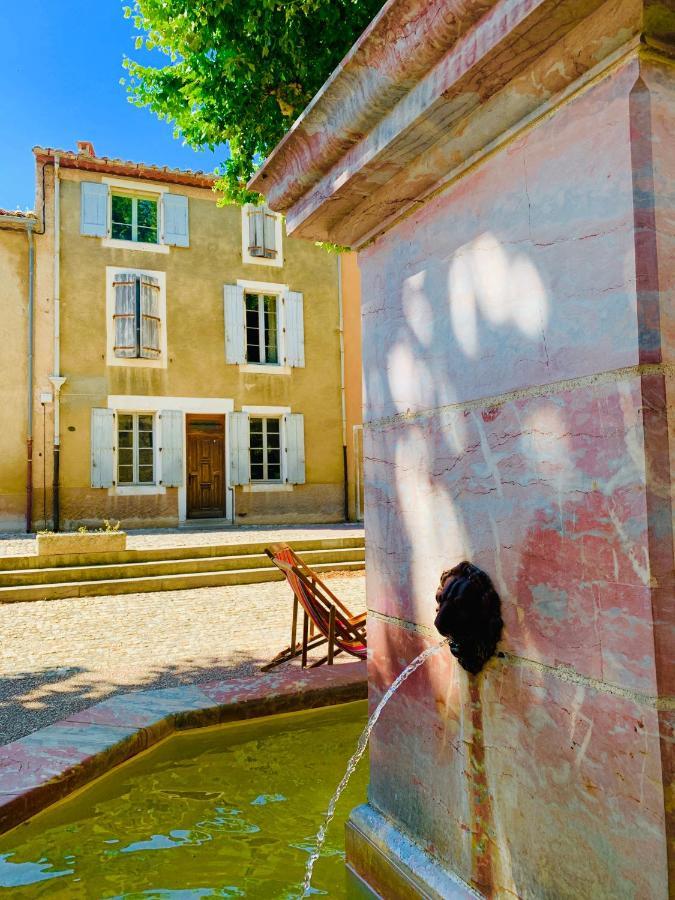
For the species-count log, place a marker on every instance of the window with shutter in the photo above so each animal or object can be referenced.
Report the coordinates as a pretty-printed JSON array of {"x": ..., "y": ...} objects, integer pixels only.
[
  {"x": 136, "y": 304},
  {"x": 261, "y": 235}
]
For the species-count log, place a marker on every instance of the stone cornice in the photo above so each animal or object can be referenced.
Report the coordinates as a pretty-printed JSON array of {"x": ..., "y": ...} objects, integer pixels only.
[{"x": 425, "y": 88}]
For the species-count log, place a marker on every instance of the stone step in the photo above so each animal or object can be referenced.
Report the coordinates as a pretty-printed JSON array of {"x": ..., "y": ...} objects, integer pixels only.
[
  {"x": 117, "y": 571},
  {"x": 177, "y": 582},
  {"x": 13, "y": 563}
]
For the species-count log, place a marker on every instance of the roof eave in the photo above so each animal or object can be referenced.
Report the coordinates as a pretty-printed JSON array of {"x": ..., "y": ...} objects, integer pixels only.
[
  {"x": 124, "y": 168},
  {"x": 340, "y": 184}
]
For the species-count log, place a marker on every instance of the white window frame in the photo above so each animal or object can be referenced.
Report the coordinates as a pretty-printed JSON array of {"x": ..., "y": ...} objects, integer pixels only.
[
  {"x": 246, "y": 257},
  {"x": 278, "y": 290},
  {"x": 262, "y": 329},
  {"x": 265, "y": 449},
  {"x": 270, "y": 412},
  {"x": 111, "y": 360},
  {"x": 139, "y": 190},
  {"x": 150, "y": 486}
]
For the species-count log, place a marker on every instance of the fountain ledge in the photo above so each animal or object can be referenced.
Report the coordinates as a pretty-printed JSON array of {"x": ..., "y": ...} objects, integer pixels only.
[
  {"x": 47, "y": 765},
  {"x": 395, "y": 866}
]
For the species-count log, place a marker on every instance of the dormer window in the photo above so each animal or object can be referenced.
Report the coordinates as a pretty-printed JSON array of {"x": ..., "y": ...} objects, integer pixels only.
[
  {"x": 261, "y": 236},
  {"x": 133, "y": 218}
]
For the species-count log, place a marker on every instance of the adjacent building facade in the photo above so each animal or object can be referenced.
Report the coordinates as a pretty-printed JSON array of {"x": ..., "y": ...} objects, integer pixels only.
[{"x": 166, "y": 358}]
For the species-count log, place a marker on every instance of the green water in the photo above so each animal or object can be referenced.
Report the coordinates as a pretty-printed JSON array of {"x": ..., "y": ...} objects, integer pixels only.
[{"x": 225, "y": 812}]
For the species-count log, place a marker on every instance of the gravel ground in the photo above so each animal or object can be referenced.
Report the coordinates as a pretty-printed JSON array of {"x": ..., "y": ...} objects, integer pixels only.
[
  {"x": 26, "y": 545},
  {"x": 59, "y": 656}
]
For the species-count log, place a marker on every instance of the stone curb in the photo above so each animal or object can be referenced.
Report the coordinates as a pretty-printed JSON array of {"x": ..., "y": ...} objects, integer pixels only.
[{"x": 47, "y": 765}]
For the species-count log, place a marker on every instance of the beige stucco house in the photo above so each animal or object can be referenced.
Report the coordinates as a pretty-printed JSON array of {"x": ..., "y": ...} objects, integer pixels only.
[{"x": 168, "y": 359}]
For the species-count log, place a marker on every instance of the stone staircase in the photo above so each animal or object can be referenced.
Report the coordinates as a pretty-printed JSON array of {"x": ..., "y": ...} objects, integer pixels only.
[{"x": 25, "y": 578}]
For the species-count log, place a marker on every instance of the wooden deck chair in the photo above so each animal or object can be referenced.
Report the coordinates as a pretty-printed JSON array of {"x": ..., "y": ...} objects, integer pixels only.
[{"x": 325, "y": 619}]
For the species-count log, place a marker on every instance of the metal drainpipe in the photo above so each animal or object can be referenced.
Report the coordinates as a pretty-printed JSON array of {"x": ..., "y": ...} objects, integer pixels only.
[
  {"x": 29, "y": 435},
  {"x": 56, "y": 379},
  {"x": 345, "y": 468}
]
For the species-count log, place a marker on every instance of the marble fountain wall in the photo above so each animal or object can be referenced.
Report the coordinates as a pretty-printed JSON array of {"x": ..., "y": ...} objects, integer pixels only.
[
  {"x": 518, "y": 350},
  {"x": 512, "y": 418}
]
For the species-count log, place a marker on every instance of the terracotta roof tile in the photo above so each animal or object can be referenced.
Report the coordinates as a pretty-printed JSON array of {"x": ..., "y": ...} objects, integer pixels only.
[
  {"x": 73, "y": 160},
  {"x": 18, "y": 213}
]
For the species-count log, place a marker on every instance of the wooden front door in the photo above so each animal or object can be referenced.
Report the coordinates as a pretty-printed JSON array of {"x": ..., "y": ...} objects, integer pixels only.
[{"x": 205, "y": 466}]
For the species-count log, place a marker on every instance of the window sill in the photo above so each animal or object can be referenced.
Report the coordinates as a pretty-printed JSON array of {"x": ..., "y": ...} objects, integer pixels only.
[
  {"x": 264, "y": 369},
  {"x": 136, "y": 490},
  {"x": 265, "y": 486},
  {"x": 249, "y": 260},
  {"x": 134, "y": 245}
]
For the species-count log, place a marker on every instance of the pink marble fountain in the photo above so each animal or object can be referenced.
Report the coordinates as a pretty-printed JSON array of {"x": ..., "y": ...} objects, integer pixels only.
[{"x": 506, "y": 169}]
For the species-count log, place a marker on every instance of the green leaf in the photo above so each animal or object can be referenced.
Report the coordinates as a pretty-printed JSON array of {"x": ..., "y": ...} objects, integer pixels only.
[{"x": 238, "y": 72}]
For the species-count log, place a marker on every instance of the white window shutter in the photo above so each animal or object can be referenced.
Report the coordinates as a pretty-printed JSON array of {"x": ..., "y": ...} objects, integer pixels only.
[
  {"x": 171, "y": 422},
  {"x": 240, "y": 469},
  {"x": 150, "y": 347},
  {"x": 102, "y": 447},
  {"x": 294, "y": 329},
  {"x": 294, "y": 429},
  {"x": 270, "y": 232},
  {"x": 175, "y": 220},
  {"x": 94, "y": 208},
  {"x": 235, "y": 336},
  {"x": 124, "y": 317}
]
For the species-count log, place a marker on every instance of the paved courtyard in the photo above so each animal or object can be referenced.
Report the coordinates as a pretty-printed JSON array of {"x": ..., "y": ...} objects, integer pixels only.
[
  {"x": 59, "y": 656},
  {"x": 26, "y": 545}
]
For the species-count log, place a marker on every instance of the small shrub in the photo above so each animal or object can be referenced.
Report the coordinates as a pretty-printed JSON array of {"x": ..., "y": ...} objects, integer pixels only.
[{"x": 110, "y": 525}]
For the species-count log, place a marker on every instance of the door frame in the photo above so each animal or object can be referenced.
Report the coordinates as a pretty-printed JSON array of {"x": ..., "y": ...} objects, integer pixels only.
[
  {"x": 198, "y": 405},
  {"x": 221, "y": 418}
]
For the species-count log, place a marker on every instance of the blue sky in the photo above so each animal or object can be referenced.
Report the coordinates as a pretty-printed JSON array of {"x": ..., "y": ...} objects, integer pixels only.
[{"x": 62, "y": 61}]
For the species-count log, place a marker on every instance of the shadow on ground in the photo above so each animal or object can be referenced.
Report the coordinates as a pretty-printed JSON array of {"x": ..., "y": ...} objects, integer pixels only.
[{"x": 33, "y": 699}]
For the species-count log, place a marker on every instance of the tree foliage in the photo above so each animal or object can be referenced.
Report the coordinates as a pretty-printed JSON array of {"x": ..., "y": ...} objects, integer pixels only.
[{"x": 238, "y": 71}]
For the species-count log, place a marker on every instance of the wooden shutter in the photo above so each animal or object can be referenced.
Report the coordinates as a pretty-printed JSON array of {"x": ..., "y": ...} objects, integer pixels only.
[
  {"x": 150, "y": 346},
  {"x": 175, "y": 220},
  {"x": 256, "y": 231},
  {"x": 94, "y": 208},
  {"x": 124, "y": 317},
  {"x": 294, "y": 434},
  {"x": 235, "y": 332},
  {"x": 270, "y": 232},
  {"x": 171, "y": 422},
  {"x": 240, "y": 469},
  {"x": 294, "y": 329},
  {"x": 102, "y": 448}
]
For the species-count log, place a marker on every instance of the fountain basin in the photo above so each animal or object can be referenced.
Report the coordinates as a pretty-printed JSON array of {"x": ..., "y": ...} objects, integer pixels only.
[
  {"x": 48, "y": 765},
  {"x": 227, "y": 811}
]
